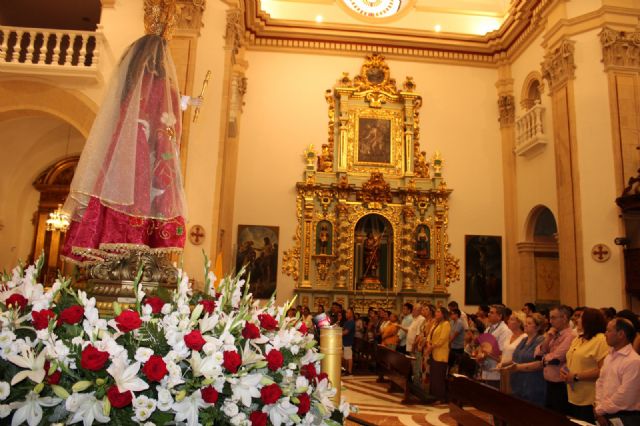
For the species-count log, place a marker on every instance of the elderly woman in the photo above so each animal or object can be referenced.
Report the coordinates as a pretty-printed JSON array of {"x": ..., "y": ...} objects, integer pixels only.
[
  {"x": 527, "y": 380},
  {"x": 516, "y": 324},
  {"x": 584, "y": 360},
  {"x": 437, "y": 353}
]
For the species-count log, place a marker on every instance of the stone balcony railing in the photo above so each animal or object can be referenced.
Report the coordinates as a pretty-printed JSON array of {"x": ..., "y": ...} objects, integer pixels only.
[
  {"x": 39, "y": 51},
  {"x": 530, "y": 131}
]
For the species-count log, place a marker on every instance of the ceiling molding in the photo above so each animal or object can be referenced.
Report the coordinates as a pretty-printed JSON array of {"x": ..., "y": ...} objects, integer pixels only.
[{"x": 522, "y": 24}]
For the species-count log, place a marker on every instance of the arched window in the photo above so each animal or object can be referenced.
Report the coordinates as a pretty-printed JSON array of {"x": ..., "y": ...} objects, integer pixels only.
[{"x": 531, "y": 90}]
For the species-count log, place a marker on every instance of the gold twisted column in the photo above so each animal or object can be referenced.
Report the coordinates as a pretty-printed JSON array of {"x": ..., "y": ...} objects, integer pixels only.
[{"x": 331, "y": 348}]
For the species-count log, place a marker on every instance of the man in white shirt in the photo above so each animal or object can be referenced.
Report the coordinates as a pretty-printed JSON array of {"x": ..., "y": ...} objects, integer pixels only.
[
  {"x": 412, "y": 332},
  {"x": 407, "y": 319},
  {"x": 501, "y": 332}
]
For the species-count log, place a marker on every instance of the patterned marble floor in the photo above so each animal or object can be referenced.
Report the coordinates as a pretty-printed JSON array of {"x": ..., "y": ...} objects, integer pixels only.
[{"x": 377, "y": 406}]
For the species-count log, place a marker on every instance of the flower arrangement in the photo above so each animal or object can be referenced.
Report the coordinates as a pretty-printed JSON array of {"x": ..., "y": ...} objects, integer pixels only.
[{"x": 214, "y": 358}]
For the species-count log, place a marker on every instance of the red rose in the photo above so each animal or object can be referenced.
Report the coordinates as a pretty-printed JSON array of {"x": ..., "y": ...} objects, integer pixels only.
[
  {"x": 71, "y": 315},
  {"x": 155, "y": 368},
  {"x": 232, "y": 361},
  {"x": 308, "y": 371},
  {"x": 305, "y": 403},
  {"x": 93, "y": 359},
  {"x": 322, "y": 376},
  {"x": 267, "y": 322},
  {"x": 303, "y": 328},
  {"x": 258, "y": 418},
  {"x": 41, "y": 318},
  {"x": 209, "y": 394},
  {"x": 128, "y": 321},
  {"x": 270, "y": 394},
  {"x": 208, "y": 305},
  {"x": 155, "y": 302},
  {"x": 119, "y": 399},
  {"x": 274, "y": 359},
  {"x": 16, "y": 301},
  {"x": 54, "y": 379},
  {"x": 194, "y": 340},
  {"x": 250, "y": 331}
]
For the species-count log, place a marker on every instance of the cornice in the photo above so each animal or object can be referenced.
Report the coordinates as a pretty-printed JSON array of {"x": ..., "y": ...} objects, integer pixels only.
[{"x": 524, "y": 22}]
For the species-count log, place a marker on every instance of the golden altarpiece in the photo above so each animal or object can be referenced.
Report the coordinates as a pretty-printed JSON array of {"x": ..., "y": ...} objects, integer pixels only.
[{"x": 372, "y": 211}]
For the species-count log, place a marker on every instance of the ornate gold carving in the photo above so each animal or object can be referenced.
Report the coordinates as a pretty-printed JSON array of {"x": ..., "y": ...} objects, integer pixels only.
[
  {"x": 507, "y": 108},
  {"x": 558, "y": 66},
  {"x": 155, "y": 268},
  {"x": 375, "y": 190},
  {"x": 325, "y": 160},
  {"x": 341, "y": 190},
  {"x": 310, "y": 157},
  {"x": 323, "y": 265},
  {"x": 620, "y": 48},
  {"x": 362, "y": 305},
  {"x": 160, "y": 17},
  {"x": 452, "y": 269}
]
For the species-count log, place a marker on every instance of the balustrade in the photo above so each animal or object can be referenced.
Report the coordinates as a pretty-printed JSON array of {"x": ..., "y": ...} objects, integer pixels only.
[
  {"x": 38, "y": 50},
  {"x": 530, "y": 131}
]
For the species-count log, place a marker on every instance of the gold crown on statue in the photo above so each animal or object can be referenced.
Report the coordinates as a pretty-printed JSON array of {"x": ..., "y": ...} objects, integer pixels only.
[{"x": 160, "y": 17}]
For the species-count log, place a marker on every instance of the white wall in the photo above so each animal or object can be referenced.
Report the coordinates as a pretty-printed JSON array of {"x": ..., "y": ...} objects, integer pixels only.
[
  {"x": 536, "y": 174},
  {"x": 286, "y": 111},
  {"x": 603, "y": 281},
  {"x": 28, "y": 146}
]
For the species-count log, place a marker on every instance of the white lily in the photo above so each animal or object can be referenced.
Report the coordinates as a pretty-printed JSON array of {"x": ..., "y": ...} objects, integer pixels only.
[
  {"x": 34, "y": 366},
  {"x": 187, "y": 409},
  {"x": 282, "y": 412},
  {"x": 246, "y": 387},
  {"x": 85, "y": 408},
  {"x": 126, "y": 376},
  {"x": 30, "y": 410}
]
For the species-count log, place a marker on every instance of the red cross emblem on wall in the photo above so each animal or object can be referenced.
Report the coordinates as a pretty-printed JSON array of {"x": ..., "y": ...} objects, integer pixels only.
[
  {"x": 600, "y": 253},
  {"x": 196, "y": 235}
]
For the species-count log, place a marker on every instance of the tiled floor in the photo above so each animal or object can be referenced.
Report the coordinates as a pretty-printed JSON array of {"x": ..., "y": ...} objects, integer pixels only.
[{"x": 375, "y": 405}]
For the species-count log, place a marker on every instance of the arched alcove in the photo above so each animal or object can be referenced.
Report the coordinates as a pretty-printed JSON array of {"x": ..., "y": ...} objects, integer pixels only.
[
  {"x": 532, "y": 90},
  {"x": 373, "y": 253},
  {"x": 539, "y": 271}
]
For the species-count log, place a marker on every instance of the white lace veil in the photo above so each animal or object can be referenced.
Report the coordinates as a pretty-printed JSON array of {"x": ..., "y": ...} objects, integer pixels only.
[{"x": 141, "y": 104}]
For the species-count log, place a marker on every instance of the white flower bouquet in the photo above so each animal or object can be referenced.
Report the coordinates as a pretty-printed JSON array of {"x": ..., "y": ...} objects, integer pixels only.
[{"x": 217, "y": 358}]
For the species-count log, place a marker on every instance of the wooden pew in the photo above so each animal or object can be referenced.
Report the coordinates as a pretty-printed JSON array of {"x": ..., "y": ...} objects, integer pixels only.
[
  {"x": 396, "y": 368},
  {"x": 364, "y": 353},
  {"x": 506, "y": 409}
]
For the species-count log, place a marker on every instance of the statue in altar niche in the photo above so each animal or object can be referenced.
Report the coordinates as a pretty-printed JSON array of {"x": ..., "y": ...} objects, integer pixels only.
[
  {"x": 324, "y": 238},
  {"x": 423, "y": 242},
  {"x": 374, "y": 253}
]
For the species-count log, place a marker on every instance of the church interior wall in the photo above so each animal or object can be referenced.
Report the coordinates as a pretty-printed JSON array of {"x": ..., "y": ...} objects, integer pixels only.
[
  {"x": 285, "y": 111},
  {"x": 603, "y": 281},
  {"x": 203, "y": 169},
  {"x": 29, "y": 145},
  {"x": 535, "y": 173}
]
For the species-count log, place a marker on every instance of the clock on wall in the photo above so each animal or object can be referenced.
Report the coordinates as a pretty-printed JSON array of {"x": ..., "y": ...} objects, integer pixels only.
[{"x": 374, "y": 8}]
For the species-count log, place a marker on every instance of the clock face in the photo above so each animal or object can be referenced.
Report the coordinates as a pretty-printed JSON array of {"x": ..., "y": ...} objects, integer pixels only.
[{"x": 374, "y": 8}]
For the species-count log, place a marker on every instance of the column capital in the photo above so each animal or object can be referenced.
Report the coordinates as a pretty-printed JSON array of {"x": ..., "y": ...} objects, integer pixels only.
[
  {"x": 620, "y": 49},
  {"x": 559, "y": 66},
  {"x": 507, "y": 109}
]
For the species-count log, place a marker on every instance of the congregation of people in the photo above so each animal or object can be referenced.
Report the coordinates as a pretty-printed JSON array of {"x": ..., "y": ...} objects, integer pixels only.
[{"x": 582, "y": 362}]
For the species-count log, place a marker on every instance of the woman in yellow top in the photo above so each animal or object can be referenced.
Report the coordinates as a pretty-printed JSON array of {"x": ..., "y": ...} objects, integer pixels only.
[
  {"x": 437, "y": 351},
  {"x": 584, "y": 360},
  {"x": 389, "y": 334}
]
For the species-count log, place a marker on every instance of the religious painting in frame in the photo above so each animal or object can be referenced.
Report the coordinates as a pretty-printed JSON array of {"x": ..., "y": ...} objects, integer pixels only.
[
  {"x": 374, "y": 140},
  {"x": 258, "y": 251},
  {"x": 483, "y": 269}
]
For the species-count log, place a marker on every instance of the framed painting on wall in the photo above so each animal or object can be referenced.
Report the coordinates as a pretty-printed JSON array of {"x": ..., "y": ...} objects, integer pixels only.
[
  {"x": 258, "y": 251},
  {"x": 374, "y": 140},
  {"x": 483, "y": 270}
]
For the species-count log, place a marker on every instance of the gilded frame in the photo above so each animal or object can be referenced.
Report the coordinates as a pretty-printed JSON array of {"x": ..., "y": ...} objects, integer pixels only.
[{"x": 395, "y": 118}]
